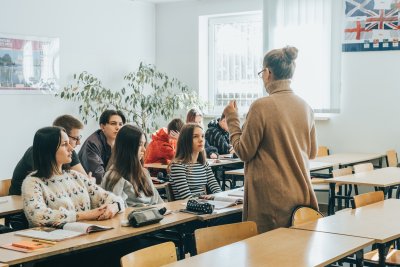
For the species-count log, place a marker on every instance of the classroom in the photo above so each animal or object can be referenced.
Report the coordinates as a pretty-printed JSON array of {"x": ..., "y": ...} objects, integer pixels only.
[{"x": 111, "y": 38}]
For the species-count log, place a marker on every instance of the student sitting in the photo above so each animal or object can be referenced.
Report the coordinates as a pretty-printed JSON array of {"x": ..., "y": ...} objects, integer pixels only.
[
  {"x": 189, "y": 170},
  {"x": 25, "y": 166},
  {"x": 217, "y": 135},
  {"x": 96, "y": 151},
  {"x": 194, "y": 115},
  {"x": 52, "y": 195},
  {"x": 126, "y": 176},
  {"x": 163, "y": 145}
]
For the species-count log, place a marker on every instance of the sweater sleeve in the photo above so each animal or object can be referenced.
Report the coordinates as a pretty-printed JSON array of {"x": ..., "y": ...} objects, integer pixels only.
[
  {"x": 179, "y": 182},
  {"x": 210, "y": 149},
  {"x": 245, "y": 141},
  {"x": 99, "y": 196},
  {"x": 35, "y": 205},
  {"x": 212, "y": 183}
]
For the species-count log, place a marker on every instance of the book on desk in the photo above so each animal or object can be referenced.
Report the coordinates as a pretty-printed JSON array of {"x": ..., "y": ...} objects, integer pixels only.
[
  {"x": 222, "y": 202},
  {"x": 68, "y": 230}
]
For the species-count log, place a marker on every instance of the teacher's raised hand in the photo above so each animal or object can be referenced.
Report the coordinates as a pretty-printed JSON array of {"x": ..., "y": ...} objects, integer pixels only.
[{"x": 231, "y": 107}]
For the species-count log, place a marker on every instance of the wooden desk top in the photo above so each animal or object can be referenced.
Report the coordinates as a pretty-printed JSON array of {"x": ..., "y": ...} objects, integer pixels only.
[
  {"x": 280, "y": 247},
  {"x": 379, "y": 221},
  {"x": 118, "y": 233},
  {"x": 10, "y": 205},
  {"x": 349, "y": 158},
  {"x": 384, "y": 177}
]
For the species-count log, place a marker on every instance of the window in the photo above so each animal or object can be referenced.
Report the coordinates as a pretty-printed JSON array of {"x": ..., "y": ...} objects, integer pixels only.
[
  {"x": 310, "y": 26},
  {"x": 230, "y": 60}
]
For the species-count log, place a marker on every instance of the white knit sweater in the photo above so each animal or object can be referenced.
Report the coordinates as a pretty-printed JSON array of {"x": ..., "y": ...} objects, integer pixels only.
[{"x": 58, "y": 199}]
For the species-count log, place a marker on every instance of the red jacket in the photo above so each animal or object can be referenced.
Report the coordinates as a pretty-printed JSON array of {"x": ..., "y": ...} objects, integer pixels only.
[{"x": 160, "y": 149}]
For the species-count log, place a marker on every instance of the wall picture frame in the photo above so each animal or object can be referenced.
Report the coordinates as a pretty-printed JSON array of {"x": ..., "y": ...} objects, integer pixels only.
[{"x": 29, "y": 64}]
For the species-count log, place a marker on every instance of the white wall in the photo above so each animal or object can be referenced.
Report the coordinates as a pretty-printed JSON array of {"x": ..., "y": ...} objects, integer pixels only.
[
  {"x": 106, "y": 38},
  {"x": 369, "y": 118},
  {"x": 177, "y": 33}
]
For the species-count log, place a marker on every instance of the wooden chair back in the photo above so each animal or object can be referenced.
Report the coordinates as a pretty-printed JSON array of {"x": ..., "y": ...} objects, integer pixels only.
[
  {"x": 322, "y": 151},
  {"x": 363, "y": 167},
  {"x": 391, "y": 158},
  {"x": 303, "y": 214},
  {"x": 217, "y": 236},
  {"x": 342, "y": 172},
  {"x": 367, "y": 198},
  {"x": 4, "y": 187},
  {"x": 153, "y": 256}
]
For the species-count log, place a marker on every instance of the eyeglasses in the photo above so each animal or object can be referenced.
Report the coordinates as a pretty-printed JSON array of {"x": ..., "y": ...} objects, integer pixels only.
[
  {"x": 76, "y": 139},
  {"x": 114, "y": 123},
  {"x": 261, "y": 72}
]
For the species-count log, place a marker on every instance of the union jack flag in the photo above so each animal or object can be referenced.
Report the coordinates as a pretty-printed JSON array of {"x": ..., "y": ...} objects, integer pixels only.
[{"x": 367, "y": 21}]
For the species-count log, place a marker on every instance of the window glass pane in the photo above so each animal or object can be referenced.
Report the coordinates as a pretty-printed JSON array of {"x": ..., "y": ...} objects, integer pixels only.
[{"x": 235, "y": 58}]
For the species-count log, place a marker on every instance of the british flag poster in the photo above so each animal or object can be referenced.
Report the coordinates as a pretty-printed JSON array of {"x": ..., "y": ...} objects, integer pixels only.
[{"x": 371, "y": 25}]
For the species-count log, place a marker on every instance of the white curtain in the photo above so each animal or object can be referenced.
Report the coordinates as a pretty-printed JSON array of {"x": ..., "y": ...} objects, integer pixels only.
[{"x": 310, "y": 26}]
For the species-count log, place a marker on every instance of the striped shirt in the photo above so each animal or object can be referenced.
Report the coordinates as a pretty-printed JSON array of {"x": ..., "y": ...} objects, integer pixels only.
[{"x": 191, "y": 179}]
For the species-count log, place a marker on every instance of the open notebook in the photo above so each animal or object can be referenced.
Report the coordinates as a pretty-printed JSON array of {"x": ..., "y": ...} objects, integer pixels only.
[
  {"x": 237, "y": 192},
  {"x": 223, "y": 202},
  {"x": 68, "y": 230}
]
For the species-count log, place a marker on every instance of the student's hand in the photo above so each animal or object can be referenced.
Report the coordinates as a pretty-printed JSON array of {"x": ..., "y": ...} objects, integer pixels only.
[
  {"x": 174, "y": 135},
  {"x": 213, "y": 156},
  {"x": 109, "y": 211},
  {"x": 93, "y": 214},
  {"x": 231, "y": 107},
  {"x": 207, "y": 197}
]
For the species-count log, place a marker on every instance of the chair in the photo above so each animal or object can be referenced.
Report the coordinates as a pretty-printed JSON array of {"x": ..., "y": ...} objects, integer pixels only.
[
  {"x": 153, "y": 256},
  {"x": 347, "y": 188},
  {"x": 4, "y": 187},
  {"x": 303, "y": 214},
  {"x": 217, "y": 236},
  {"x": 367, "y": 198},
  {"x": 363, "y": 167},
  {"x": 393, "y": 256},
  {"x": 391, "y": 158},
  {"x": 322, "y": 151}
]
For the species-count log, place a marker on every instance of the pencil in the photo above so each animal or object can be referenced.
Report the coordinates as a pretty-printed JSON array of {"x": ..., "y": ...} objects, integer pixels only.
[{"x": 44, "y": 241}]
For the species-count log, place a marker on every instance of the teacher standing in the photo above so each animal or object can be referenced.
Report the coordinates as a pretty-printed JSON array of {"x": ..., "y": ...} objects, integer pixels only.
[{"x": 276, "y": 142}]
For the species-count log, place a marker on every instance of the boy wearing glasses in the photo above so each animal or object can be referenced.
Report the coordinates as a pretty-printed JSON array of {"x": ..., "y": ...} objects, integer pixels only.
[{"x": 96, "y": 150}]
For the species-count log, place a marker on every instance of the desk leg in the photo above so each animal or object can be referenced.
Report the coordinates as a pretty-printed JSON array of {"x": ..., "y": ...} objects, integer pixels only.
[
  {"x": 382, "y": 254},
  {"x": 360, "y": 258},
  {"x": 331, "y": 204}
]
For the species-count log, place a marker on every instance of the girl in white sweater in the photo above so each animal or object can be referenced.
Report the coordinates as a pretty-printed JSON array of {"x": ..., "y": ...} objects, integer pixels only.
[{"x": 53, "y": 196}]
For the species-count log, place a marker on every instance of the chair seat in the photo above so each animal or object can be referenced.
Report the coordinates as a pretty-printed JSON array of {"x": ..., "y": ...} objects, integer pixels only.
[{"x": 393, "y": 256}]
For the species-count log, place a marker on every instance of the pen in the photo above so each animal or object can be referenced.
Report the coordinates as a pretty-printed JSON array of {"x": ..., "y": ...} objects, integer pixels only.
[{"x": 44, "y": 241}]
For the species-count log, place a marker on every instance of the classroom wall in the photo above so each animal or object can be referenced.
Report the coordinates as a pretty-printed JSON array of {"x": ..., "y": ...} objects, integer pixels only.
[
  {"x": 106, "y": 38},
  {"x": 368, "y": 120},
  {"x": 177, "y": 33}
]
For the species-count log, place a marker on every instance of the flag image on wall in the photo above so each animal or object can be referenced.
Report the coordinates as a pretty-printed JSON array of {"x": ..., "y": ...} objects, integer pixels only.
[{"x": 371, "y": 21}]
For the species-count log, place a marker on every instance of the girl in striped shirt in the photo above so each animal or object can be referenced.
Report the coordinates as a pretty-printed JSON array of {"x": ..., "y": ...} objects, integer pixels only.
[{"x": 189, "y": 170}]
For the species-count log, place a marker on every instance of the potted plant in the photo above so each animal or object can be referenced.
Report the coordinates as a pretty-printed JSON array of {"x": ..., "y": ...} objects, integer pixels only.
[{"x": 148, "y": 95}]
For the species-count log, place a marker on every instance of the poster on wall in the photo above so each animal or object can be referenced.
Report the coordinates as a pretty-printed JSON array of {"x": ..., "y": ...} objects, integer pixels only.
[
  {"x": 371, "y": 25},
  {"x": 28, "y": 64}
]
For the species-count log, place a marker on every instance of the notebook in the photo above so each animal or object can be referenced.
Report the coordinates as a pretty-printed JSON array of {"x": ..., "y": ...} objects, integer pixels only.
[{"x": 69, "y": 230}]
